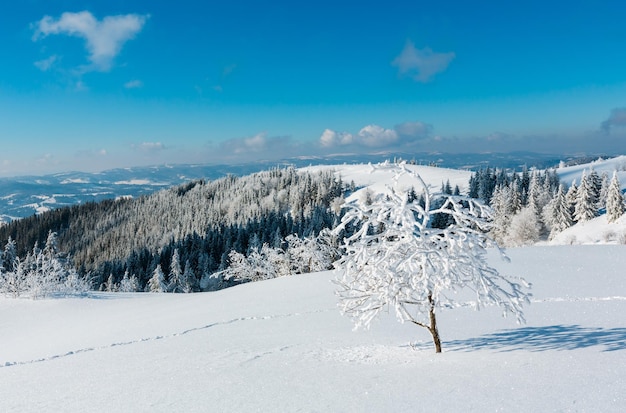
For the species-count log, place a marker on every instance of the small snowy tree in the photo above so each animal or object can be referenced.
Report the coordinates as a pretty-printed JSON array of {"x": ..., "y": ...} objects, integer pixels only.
[
  {"x": 604, "y": 190},
  {"x": 189, "y": 282},
  {"x": 128, "y": 284},
  {"x": 157, "y": 284},
  {"x": 75, "y": 284},
  {"x": 12, "y": 276},
  {"x": 396, "y": 259},
  {"x": 559, "y": 217},
  {"x": 111, "y": 287},
  {"x": 570, "y": 197},
  {"x": 586, "y": 200},
  {"x": 525, "y": 228},
  {"x": 614, "y": 200},
  {"x": 239, "y": 268},
  {"x": 310, "y": 254},
  {"x": 176, "y": 274}
]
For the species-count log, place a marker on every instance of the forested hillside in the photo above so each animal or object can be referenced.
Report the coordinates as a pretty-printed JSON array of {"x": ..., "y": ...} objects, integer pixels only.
[{"x": 201, "y": 222}]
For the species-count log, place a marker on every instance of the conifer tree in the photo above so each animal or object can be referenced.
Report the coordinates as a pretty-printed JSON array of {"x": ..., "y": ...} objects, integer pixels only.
[
  {"x": 502, "y": 213},
  {"x": 614, "y": 200},
  {"x": 110, "y": 285},
  {"x": 157, "y": 282},
  {"x": 176, "y": 273},
  {"x": 604, "y": 190},
  {"x": 560, "y": 215},
  {"x": 570, "y": 198},
  {"x": 585, "y": 200},
  {"x": 188, "y": 284},
  {"x": 128, "y": 284},
  {"x": 595, "y": 181}
]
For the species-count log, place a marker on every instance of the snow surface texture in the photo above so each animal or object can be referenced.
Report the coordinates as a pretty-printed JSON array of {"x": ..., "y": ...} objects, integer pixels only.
[{"x": 282, "y": 346}]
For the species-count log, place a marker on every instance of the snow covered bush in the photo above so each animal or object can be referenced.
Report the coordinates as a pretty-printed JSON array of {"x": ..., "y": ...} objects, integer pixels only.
[
  {"x": 524, "y": 229},
  {"x": 396, "y": 259},
  {"x": 311, "y": 254},
  {"x": 43, "y": 272}
]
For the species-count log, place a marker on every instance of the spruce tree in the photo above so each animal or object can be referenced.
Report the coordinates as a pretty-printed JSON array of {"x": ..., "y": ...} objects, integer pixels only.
[
  {"x": 561, "y": 217},
  {"x": 614, "y": 200},
  {"x": 157, "y": 282},
  {"x": 501, "y": 213},
  {"x": 570, "y": 198},
  {"x": 586, "y": 200},
  {"x": 176, "y": 273}
]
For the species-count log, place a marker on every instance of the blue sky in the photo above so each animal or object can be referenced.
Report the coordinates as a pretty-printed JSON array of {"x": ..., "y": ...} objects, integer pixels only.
[{"x": 92, "y": 85}]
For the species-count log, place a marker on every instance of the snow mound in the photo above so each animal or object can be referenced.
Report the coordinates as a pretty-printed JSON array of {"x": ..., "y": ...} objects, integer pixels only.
[{"x": 595, "y": 231}]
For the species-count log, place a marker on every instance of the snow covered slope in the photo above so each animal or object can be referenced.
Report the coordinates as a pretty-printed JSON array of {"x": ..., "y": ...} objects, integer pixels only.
[
  {"x": 282, "y": 346},
  {"x": 362, "y": 175},
  {"x": 570, "y": 174}
]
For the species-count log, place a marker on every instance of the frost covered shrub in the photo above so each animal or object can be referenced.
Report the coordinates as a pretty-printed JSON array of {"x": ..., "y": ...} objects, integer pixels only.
[
  {"x": 524, "y": 229},
  {"x": 396, "y": 259},
  {"x": 42, "y": 273},
  {"x": 609, "y": 236}
]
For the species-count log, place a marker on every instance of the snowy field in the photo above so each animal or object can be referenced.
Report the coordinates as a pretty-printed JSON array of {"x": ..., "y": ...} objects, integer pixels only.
[{"x": 282, "y": 346}]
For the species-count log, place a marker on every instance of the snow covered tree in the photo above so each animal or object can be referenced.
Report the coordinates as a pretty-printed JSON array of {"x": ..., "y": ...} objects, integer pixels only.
[
  {"x": 189, "y": 283},
  {"x": 44, "y": 271},
  {"x": 128, "y": 284},
  {"x": 238, "y": 270},
  {"x": 524, "y": 228},
  {"x": 570, "y": 197},
  {"x": 502, "y": 213},
  {"x": 275, "y": 262},
  {"x": 586, "y": 200},
  {"x": 157, "y": 284},
  {"x": 9, "y": 255},
  {"x": 176, "y": 273},
  {"x": 111, "y": 287},
  {"x": 506, "y": 202},
  {"x": 396, "y": 259},
  {"x": 12, "y": 276},
  {"x": 595, "y": 182},
  {"x": 75, "y": 284},
  {"x": 558, "y": 216},
  {"x": 614, "y": 200},
  {"x": 310, "y": 254},
  {"x": 535, "y": 193},
  {"x": 604, "y": 190}
]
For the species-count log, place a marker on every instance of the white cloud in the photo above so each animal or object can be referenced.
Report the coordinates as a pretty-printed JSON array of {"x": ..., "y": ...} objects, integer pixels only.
[
  {"x": 374, "y": 135},
  {"x": 104, "y": 38},
  {"x": 255, "y": 143},
  {"x": 45, "y": 64},
  {"x": 331, "y": 138},
  {"x": 421, "y": 64},
  {"x": 370, "y": 136},
  {"x": 133, "y": 84}
]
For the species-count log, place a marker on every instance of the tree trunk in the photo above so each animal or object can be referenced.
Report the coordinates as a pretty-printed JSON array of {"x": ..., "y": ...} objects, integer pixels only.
[{"x": 433, "y": 324}]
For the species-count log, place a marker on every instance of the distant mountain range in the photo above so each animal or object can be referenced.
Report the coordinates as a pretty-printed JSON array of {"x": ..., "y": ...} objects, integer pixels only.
[{"x": 28, "y": 195}]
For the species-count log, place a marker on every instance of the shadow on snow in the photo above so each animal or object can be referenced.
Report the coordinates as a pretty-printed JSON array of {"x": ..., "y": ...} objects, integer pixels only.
[{"x": 557, "y": 337}]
